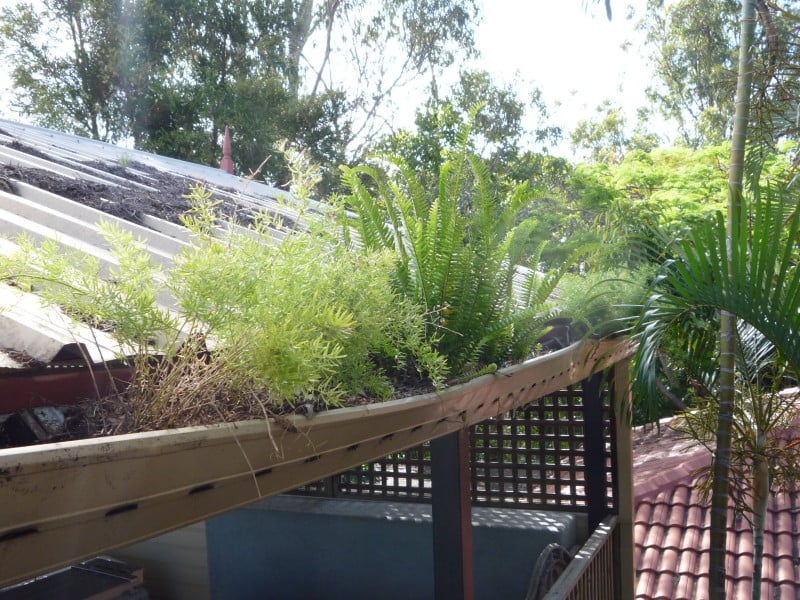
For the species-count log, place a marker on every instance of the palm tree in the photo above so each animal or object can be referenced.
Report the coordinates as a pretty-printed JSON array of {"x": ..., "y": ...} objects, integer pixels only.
[
  {"x": 762, "y": 457},
  {"x": 727, "y": 363},
  {"x": 735, "y": 267},
  {"x": 727, "y": 346}
]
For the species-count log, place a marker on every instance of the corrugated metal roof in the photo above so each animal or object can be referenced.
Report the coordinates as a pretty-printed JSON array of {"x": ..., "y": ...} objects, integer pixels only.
[
  {"x": 44, "y": 333},
  {"x": 60, "y": 150}
]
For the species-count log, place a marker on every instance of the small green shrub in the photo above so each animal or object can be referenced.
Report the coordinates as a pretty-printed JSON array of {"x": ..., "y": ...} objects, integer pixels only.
[
  {"x": 313, "y": 319},
  {"x": 124, "y": 299},
  {"x": 254, "y": 324}
]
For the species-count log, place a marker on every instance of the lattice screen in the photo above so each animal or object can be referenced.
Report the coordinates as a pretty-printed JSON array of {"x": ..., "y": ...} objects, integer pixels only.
[{"x": 530, "y": 458}]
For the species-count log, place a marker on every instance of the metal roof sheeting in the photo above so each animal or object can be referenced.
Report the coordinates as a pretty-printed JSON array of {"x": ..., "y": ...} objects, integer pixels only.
[{"x": 44, "y": 333}]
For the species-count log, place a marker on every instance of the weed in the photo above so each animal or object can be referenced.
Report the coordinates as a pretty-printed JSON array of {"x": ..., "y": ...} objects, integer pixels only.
[{"x": 250, "y": 326}]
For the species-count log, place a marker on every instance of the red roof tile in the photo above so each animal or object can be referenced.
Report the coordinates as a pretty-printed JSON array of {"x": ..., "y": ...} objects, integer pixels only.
[{"x": 671, "y": 529}]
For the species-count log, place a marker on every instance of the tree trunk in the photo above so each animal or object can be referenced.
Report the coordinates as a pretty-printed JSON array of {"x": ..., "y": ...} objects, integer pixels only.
[
  {"x": 719, "y": 499},
  {"x": 299, "y": 33}
]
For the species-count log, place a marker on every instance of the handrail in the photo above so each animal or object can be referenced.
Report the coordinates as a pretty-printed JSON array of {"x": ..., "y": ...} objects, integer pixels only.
[{"x": 592, "y": 573}]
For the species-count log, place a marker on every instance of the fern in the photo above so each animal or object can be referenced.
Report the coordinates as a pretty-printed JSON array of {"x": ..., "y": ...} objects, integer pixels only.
[{"x": 457, "y": 251}]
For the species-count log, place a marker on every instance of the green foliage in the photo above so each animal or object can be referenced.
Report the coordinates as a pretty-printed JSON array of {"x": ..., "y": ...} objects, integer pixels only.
[
  {"x": 606, "y": 302},
  {"x": 311, "y": 316},
  {"x": 173, "y": 75},
  {"x": 457, "y": 253},
  {"x": 70, "y": 93},
  {"x": 759, "y": 284},
  {"x": 498, "y": 129},
  {"x": 640, "y": 205},
  {"x": 123, "y": 299},
  {"x": 252, "y": 322},
  {"x": 693, "y": 48},
  {"x": 678, "y": 186},
  {"x": 605, "y": 137}
]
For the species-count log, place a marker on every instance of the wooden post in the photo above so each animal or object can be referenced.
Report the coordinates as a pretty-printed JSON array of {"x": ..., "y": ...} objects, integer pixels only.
[
  {"x": 621, "y": 398},
  {"x": 594, "y": 459},
  {"x": 452, "y": 517}
]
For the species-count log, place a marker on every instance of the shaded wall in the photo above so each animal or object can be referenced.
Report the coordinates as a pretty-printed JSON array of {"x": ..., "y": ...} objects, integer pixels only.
[{"x": 292, "y": 547}]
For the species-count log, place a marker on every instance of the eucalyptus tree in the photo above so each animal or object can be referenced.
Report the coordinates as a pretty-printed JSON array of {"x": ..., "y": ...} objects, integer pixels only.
[
  {"x": 605, "y": 138},
  {"x": 171, "y": 75},
  {"x": 498, "y": 131},
  {"x": 693, "y": 48},
  {"x": 76, "y": 89}
]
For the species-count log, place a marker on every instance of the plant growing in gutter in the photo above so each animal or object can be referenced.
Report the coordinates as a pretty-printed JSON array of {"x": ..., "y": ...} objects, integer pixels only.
[
  {"x": 311, "y": 317},
  {"x": 460, "y": 254},
  {"x": 241, "y": 325},
  {"x": 125, "y": 298}
]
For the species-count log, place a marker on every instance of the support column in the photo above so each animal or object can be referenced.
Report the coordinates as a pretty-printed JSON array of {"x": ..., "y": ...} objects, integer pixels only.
[
  {"x": 452, "y": 517},
  {"x": 621, "y": 399},
  {"x": 594, "y": 459}
]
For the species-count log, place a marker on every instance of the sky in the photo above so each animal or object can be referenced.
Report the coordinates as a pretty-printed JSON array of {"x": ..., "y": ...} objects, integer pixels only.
[
  {"x": 567, "y": 49},
  {"x": 570, "y": 51}
]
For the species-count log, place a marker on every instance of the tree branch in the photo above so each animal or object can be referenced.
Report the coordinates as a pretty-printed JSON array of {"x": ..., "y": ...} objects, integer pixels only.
[{"x": 330, "y": 12}]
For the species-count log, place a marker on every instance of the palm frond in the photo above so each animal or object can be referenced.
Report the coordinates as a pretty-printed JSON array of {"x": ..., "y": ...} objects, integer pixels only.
[{"x": 759, "y": 284}]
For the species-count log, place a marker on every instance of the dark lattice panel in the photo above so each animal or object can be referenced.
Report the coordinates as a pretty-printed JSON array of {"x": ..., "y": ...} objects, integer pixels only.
[
  {"x": 530, "y": 458},
  {"x": 402, "y": 476},
  {"x": 533, "y": 457}
]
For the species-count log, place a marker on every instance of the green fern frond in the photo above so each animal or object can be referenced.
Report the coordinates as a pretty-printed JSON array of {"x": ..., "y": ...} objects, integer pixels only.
[{"x": 458, "y": 246}]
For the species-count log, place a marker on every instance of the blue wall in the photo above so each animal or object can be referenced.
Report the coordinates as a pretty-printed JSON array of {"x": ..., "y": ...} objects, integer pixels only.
[{"x": 292, "y": 547}]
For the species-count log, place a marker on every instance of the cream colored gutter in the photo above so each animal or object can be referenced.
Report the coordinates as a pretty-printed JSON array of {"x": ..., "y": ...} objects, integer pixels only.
[{"x": 67, "y": 501}]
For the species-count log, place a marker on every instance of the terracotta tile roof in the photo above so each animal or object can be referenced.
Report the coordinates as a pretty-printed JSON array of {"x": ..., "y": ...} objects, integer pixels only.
[{"x": 671, "y": 529}]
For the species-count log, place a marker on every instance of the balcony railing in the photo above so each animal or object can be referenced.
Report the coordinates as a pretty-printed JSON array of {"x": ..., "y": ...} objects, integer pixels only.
[
  {"x": 532, "y": 457},
  {"x": 594, "y": 572},
  {"x": 559, "y": 452}
]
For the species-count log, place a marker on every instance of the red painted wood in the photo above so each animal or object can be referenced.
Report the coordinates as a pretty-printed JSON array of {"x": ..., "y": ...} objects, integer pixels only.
[{"x": 59, "y": 386}]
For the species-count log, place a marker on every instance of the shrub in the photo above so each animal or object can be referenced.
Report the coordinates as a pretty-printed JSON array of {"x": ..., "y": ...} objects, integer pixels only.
[
  {"x": 253, "y": 325},
  {"x": 312, "y": 318},
  {"x": 604, "y": 302}
]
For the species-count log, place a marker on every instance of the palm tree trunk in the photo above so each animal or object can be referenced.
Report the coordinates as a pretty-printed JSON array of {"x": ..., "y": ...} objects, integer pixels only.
[{"x": 719, "y": 499}]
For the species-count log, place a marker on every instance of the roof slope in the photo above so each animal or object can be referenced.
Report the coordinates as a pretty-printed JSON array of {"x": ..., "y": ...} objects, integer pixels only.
[
  {"x": 59, "y": 186},
  {"x": 672, "y": 529}
]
